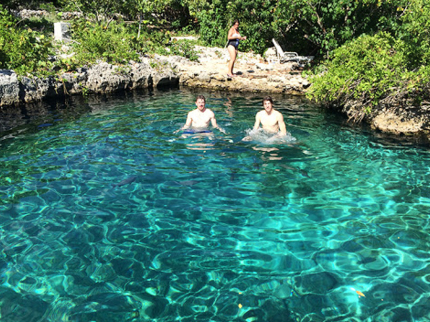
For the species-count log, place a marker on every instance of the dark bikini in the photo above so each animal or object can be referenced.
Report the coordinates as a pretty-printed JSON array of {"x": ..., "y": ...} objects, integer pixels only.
[{"x": 234, "y": 43}]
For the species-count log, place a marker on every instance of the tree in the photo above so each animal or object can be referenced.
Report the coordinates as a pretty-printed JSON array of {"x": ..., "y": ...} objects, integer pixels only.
[
  {"x": 329, "y": 24},
  {"x": 415, "y": 32},
  {"x": 32, "y": 4}
]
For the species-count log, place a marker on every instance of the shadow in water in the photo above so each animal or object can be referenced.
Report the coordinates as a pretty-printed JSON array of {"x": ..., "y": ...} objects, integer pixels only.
[{"x": 33, "y": 116}]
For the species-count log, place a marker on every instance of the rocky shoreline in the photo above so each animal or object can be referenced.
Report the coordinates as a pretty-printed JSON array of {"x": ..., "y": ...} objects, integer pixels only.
[{"x": 254, "y": 74}]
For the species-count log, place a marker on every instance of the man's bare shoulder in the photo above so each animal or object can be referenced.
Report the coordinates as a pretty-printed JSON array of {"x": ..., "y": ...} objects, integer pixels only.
[
  {"x": 277, "y": 113},
  {"x": 209, "y": 112},
  {"x": 193, "y": 112},
  {"x": 260, "y": 113}
]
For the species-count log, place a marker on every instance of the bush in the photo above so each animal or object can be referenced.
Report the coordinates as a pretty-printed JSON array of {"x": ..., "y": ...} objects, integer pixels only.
[
  {"x": 111, "y": 43},
  {"x": 415, "y": 33},
  {"x": 367, "y": 70},
  {"x": 22, "y": 50},
  {"x": 364, "y": 68},
  {"x": 184, "y": 48},
  {"x": 117, "y": 43},
  {"x": 383, "y": 67}
]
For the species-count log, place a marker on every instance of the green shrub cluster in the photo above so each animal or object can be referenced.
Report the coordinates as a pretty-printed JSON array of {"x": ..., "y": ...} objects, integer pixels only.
[
  {"x": 117, "y": 42},
  {"x": 22, "y": 50},
  {"x": 112, "y": 43},
  {"x": 184, "y": 48},
  {"x": 365, "y": 68},
  {"x": 26, "y": 51},
  {"x": 377, "y": 67}
]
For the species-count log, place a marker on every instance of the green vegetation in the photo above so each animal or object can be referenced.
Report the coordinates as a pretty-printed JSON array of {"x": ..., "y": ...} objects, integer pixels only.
[
  {"x": 22, "y": 49},
  {"x": 366, "y": 69},
  {"x": 111, "y": 43},
  {"x": 382, "y": 67},
  {"x": 97, "y": 36}
]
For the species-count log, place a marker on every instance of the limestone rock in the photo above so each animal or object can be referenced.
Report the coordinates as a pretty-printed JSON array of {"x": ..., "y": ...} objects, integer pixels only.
[
  {"x": 72, "y": 83},
  {"x": 35, "y": 89},
  {"x": 392, "y": 123},
  {"x": 9, "y": 88},
  {"x": 140, "y": 76},
  {"x": 253, "y": 75},
  {"x": 106, "y": 78},
  {"x": 165, "y": 79}
]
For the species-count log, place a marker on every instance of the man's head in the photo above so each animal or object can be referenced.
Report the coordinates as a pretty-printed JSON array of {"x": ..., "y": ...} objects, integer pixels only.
[
  {"x": 200, "y": 102},
  {"x": 268, "y": 104}
]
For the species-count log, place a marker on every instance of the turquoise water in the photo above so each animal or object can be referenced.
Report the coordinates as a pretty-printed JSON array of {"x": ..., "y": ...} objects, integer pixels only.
[{"x": 106, "y": 215}]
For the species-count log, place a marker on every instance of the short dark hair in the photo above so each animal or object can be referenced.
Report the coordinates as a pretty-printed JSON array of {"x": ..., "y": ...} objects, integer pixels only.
[
  {"x": 234, "y": 21},
  {"x": 268, "y": 98},
  {"x": 200, "y": 97}
]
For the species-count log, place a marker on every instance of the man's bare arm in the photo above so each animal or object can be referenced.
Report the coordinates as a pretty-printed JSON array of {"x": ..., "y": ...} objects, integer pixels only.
[
  {"x": 281, "y": 124},
  {"x": 257, "y": 122},
  {"x": 187, "y": 123},
  {"x": 215, "y": 124}
]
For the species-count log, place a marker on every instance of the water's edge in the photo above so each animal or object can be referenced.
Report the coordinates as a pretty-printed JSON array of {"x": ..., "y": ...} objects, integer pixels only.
[{"x": 161, "y": 72}]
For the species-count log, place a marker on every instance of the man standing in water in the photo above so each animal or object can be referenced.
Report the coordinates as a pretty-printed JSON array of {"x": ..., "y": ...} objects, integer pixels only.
[
  {"x": 271, "y": 120},
  {"x": 200, "y": 118}
]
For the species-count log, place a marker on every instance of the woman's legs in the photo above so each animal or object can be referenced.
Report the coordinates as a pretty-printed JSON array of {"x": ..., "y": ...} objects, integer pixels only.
[{"x": 233, "y": 52}]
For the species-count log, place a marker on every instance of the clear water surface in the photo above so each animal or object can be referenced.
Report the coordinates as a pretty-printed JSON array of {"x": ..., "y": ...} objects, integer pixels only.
[{"x": 109, "y": 216}]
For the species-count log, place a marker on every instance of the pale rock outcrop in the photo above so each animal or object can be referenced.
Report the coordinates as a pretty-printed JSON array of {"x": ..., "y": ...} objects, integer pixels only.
[
  {"x": 9, "y": 88},
  {"x": 106, "y": 78},
  {"x": 392, "y": 123},
  {"x": 253, "y": 75}
]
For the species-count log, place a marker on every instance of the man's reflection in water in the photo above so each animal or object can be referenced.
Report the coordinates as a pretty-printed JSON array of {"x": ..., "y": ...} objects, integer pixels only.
[
  {"x": 199, "y": 141},
  {"x": 270, "y": 155},
  {"x": 266, "y": 154},
  {"x": 229, "y": 110}
]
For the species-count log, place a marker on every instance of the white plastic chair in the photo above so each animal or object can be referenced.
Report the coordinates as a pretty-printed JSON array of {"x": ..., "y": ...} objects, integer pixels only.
[{"x": 284, "y": 56}]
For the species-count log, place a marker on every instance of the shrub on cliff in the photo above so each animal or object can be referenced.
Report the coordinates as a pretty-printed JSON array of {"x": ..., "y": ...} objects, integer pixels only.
[
  {"x": 415, "y": 33},
  {"x": 326, "y": 25},
  {"x": 364, "y": 69},
  {"x": 102, "y": 41},
  {"x": 383, "y": 67},
  {"x": 22, "y": 50},
  {"x": 118, "y": 43}
]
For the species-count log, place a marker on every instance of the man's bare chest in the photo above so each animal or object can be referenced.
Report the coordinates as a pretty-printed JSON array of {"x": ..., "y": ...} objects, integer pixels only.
[
  {"x": 269, "y": 120},
  {"x": 201, "y": 117}
]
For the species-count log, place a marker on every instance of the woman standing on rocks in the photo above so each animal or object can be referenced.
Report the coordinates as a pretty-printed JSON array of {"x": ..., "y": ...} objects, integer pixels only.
[{"x": 233, "y": 45}]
